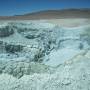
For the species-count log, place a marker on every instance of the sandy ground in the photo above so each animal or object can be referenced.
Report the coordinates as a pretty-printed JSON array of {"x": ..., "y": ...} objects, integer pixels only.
[{"x": 70, "y": 22}]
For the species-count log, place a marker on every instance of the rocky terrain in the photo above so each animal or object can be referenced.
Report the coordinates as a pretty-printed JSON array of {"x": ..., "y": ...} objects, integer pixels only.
[{"x": 42, "y": 55}]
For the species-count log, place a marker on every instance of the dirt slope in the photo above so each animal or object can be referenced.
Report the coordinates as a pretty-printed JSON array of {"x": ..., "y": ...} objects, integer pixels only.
[{"x": 51, "y": 14}]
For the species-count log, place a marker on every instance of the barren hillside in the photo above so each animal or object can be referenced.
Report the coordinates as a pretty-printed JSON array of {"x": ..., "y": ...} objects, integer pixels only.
[{"x": 51, "y": 14}]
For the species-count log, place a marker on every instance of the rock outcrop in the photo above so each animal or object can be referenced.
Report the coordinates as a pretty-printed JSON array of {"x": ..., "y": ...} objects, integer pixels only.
[
  {"x": 73, "y": 74},
  {"x": 6, "y": 31},
  {"x": 43, "y": 56}
]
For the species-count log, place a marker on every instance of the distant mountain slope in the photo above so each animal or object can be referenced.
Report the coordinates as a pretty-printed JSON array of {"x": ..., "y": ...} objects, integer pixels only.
[{"x": 51, "y": 14}]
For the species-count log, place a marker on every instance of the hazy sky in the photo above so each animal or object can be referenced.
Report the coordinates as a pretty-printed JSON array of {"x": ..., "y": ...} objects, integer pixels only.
[{"x": 15, "y": 7}]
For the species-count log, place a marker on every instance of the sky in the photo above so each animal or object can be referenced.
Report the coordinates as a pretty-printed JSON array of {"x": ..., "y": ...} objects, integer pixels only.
[{"x": 18, "y": 7}]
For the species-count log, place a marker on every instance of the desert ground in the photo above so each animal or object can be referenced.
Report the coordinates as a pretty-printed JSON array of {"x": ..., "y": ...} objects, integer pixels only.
[
  {"x": 69, "y": 22},
  {"x": 45, "y": 54}
]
